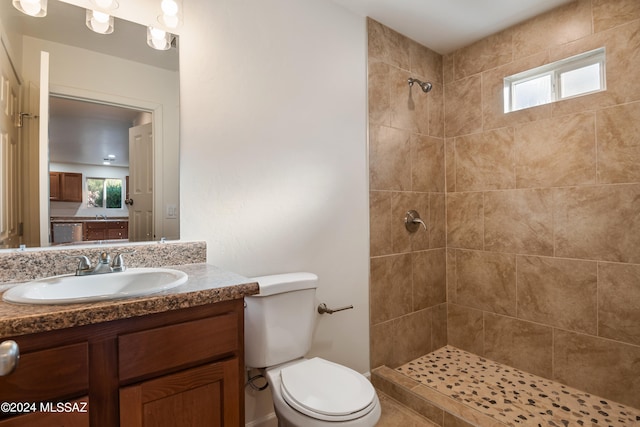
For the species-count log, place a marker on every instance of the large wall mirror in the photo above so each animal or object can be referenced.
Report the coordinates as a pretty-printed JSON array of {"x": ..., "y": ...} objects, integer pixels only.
[{"x": 112, "y": 121}]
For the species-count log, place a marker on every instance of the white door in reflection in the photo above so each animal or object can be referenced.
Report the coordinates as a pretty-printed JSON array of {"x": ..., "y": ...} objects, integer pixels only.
[
  {"x": 141, "y": 183},
  {"x": 9, "y": 155}
]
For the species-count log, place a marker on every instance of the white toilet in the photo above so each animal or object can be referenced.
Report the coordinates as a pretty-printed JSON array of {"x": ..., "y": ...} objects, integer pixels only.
[{"x": 306, "y": 392}]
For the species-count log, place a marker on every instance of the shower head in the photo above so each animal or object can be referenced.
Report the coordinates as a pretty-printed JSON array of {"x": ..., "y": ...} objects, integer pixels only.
[{"x": 425, "y": 86}]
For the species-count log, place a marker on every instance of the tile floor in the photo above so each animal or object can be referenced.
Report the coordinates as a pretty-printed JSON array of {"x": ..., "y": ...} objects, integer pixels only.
[{"x": 511, "y": 396}]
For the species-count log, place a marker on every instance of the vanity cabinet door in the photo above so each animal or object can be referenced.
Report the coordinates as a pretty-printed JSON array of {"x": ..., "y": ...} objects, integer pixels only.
[{"x": 206, "y": 396}]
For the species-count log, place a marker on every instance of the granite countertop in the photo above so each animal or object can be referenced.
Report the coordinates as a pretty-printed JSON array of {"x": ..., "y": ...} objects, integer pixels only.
[
  {"x": 206, "y": 284},
  {"x": 79, "y": 219}
]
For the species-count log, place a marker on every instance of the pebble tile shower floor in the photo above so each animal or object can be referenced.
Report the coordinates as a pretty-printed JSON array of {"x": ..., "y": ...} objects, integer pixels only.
[{"x": 510, "y": 396}]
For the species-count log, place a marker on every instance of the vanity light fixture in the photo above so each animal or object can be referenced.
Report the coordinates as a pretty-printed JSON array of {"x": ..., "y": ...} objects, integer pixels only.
[
  {"x": 171, "y": 13},
  {"x": 105, "y": 4},
  {"x": 99, "y": 22},
  {"x": 37, "y": 8},
  {"x": 158, "y": 38}
]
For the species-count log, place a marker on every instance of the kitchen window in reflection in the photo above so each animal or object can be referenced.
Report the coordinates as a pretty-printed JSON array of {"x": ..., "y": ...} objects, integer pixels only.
[{"x": 104, "y": 193}]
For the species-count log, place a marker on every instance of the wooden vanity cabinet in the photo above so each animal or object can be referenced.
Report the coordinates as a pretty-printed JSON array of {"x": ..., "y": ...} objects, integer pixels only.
[
  {"x": 106, "y": 230},
  {"x": 65, "y": 186},
  {"x": 182, "y": 367}
]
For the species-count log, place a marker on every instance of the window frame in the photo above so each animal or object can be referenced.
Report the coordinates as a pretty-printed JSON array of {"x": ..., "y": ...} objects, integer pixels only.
[
  {"x": 556, "y": 70},
  {"x": 104, "y": 192}
]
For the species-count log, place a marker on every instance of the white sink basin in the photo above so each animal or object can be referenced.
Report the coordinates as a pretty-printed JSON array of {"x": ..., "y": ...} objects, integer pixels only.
[{"x": 69, "y": 289}]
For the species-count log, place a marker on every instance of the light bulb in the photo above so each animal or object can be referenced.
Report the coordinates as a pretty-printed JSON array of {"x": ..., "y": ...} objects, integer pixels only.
[
  {"x": 36, "y": 8},
  {"x": 158, "y": 38},
  {"x": 99, "y": 22},
  {"x": 170, "y": 21},
  {"x": 105, "y": 4},
  {"x": 169, "y": 7}
]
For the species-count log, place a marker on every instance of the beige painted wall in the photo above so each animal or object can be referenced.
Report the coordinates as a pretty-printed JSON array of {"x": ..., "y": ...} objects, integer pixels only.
[{"x": 273, "y": 154}]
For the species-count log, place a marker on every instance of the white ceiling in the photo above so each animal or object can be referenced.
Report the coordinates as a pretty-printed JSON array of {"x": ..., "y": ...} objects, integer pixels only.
[
  {"x": 87, "y": 132},
  {"x": 447, "y": 25}
]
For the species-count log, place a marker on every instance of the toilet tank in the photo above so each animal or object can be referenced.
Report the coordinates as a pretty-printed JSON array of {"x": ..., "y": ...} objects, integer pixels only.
[{"x": 278, "y": 322}]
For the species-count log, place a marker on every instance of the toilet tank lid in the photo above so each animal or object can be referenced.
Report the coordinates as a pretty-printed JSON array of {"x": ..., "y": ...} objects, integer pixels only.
[{"x": 280, "y": 283}]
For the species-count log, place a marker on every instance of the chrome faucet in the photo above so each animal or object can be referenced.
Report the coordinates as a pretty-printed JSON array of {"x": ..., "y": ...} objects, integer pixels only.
[
  {"x": 103, "y": 266},
  {"x": 98, "y": 216}
]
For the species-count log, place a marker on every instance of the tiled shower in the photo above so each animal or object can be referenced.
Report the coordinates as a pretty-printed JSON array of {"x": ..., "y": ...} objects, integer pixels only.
[{"x": 532, "y": 252}]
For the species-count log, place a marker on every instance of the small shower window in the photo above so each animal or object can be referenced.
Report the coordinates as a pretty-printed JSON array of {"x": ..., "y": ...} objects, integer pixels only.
[{"x": 576, "y": 76}]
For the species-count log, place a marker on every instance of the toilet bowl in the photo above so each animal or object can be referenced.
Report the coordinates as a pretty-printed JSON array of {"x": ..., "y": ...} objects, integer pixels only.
[
  {"x": 318, "y": 393},
  {"x": 306, "y": 392}
]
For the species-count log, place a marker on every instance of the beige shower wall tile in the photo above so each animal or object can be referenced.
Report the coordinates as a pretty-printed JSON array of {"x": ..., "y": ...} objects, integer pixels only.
[
  {"x": 598, "y": 223},
  {"x": 493, "y": 94},
  {"x": 380, "y": 224},
  {"x": 622, "y": 46},
  {"x": 408, "y": 104},
  {"x": 559, "y": 26},
  {"x": 427, "y": 164},
  {"x": 450, "y": 163},
  {"x": 429, "y": 278},
  {"x": 465, "y": 220},
  {"x": 435, "y": 104},
  {"x": 425, "y": 62},
  {"x": 519, "y": 221},
  {"x": 402, "y": 239},
  {"x": 486, "y": 281},
  {"x": 485, "y": 161},
  {"x": 556, "y": 152},
  {"x": 387, "y": 45},
  {"x": 381, "y": 343},
  {"x": 437, "y": 220},
  {"x": 438, "y": 326},
  {"x": 611, "y": 13},
  {"x": 523, "y": 345},
  {"x": 451, "y": 275},
  {"x": 618, "y": 131},
  {"x": 465, "y": 328},
  {"x": 619, "y": 302},
  {"x": 599, "y": 366},
  {"x": 412, "y": 336},
  {"x": 379, "y": 94},
  {"x": 558, "y": 292},
  {"x": 463, "y": 106},
  {"x": 390, "y": 288},
  {"x": 447, "y": 68},
  {"x": 490, "y": 52},
  {"x": 389, "y": 159}
]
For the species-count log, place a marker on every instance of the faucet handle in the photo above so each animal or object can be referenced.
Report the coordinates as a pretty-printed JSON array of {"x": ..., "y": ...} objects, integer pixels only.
[
  {"x": 105, "y": 258},
  {"x": 118, "y": 261},
  {"x": 84, "y": 264}
]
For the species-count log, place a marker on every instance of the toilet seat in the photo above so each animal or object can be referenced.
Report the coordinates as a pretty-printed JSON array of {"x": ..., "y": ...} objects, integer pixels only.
[{"x": 326, "y": 391}]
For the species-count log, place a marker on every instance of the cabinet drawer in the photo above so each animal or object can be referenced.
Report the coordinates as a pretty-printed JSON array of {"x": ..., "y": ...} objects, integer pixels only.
[
  {"x": 48, "y": 374},
  {"x": 158, "y": 350}
]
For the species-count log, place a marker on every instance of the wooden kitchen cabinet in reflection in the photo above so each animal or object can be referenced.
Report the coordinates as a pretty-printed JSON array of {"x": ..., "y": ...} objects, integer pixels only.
[{"x": 65, "y": 186}]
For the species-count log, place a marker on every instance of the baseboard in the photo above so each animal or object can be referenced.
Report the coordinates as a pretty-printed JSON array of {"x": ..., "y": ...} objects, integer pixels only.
[{"x": 268, "y": 420}]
